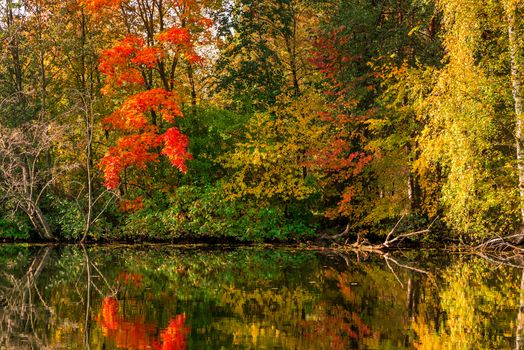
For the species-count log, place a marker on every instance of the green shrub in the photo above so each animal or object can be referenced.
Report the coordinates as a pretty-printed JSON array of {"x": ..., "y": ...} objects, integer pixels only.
[
  {"x": 16, "y": 228},
  {"x": 203, "y": 213}
]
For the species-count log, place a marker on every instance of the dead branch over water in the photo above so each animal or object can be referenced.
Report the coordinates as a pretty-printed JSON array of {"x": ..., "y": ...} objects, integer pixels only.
[{"x": 393, "y": 238}]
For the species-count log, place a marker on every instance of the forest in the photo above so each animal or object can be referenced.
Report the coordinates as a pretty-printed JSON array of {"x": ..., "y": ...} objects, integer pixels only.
[{"x": 261, "y": 120}]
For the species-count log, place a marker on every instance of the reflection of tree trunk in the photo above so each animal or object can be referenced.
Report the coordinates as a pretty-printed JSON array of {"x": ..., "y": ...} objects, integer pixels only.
[
  {"x": 519, "y": 344},
  {"x": 39, "y": 262},
  {"x": 19, "y": 313},
  {"x": 88, "y": 298}
]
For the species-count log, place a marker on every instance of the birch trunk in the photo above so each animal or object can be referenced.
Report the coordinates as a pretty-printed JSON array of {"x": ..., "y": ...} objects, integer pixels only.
[{"x": 516, "y": 83}]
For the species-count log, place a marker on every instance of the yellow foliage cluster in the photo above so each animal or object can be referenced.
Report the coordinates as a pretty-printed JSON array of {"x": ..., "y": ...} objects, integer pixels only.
[{"x": 273, "y": 160}]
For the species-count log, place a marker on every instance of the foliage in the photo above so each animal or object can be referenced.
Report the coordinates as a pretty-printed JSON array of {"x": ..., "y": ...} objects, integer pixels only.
[
  {"x": 260, "y": 120},
  {"x": 141, "y": 137},
  {"x": 67, "y": 218},
  {"x": 15, "y": 228},
  {"x": 468, "y": 128},
  {"x": 213, "y": 132},
  {"x": 273, "y": 164},
  {"x": 206, "y": 213}
]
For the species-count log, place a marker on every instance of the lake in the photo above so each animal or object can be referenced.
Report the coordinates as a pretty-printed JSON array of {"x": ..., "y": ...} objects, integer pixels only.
[{"x": 198, "y": 297}]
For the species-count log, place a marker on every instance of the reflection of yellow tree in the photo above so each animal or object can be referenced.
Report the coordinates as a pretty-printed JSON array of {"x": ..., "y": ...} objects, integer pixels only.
[
  {"x": 266, "y": 318},
  {"x": 473, "y": 299}
]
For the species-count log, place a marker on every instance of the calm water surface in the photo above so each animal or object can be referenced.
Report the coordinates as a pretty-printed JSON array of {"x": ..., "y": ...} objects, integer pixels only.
[{"x": 249, "y": 298}]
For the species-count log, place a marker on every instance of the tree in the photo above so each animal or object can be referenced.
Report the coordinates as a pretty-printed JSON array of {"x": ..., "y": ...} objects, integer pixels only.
[
  {"x": 342, "y": 159},
  {"x": 264, "y": 48},
  {"x": 383, "y": 54},
  {"x": 141, "y": 71},
  {"x": 513, "y": 10},
  {"x": 24, "y": 174}
]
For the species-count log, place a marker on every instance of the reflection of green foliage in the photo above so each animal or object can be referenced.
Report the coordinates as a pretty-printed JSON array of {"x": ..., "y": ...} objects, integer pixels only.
[{"x": 13, "y": 258}]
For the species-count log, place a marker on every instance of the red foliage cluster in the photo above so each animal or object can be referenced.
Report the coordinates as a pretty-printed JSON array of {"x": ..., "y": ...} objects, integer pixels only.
[
  {"x": 136, "y": 334},
  {"x": 122, "y": 63},
  {"x": 174, "y": 337},
  {"x": 133, "y": 150},
  {"x": 132, "y": 115},
  {"x": 343, "y": 158},
  {"x": 109, "y": 317},
  {"x": 182, "y": 40},
  {"x": 175, "y": 36},
  {"x": 138, "y": 150},
  {"x": 328, "y": 58},
  {"x": 129, "y": 66},
  {"x": 175, "y": 148},
  {"x": 141, "y": 142}
]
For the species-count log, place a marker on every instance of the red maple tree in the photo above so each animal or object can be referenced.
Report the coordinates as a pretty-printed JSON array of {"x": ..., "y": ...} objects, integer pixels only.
[{"x": 144, "y": 122}]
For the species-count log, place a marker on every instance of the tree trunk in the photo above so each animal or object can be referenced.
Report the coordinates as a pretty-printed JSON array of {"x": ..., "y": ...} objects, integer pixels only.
[
  {"x": 89, "y": 124},
  {"x": 516, "y": 83},
  {"x": 39, "y": 222},
  {"x": 193, "y": 88}
]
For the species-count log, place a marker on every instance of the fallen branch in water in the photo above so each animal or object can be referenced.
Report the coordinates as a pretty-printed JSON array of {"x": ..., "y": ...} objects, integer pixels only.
[
  {"x": 388, "y": 258},
  {"x": 501, "y": 244},
  {"x": 337, "y": 236},
  {"x": 390, "y": 241}
]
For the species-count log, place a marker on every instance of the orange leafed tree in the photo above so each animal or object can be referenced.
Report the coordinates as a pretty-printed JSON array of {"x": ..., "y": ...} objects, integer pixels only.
[{"x": 141, "y": 71}]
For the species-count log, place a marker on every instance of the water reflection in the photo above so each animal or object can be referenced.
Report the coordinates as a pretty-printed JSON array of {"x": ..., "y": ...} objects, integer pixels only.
[
  {"x": 138, "y": 334},
  {"x": 168, "y": 298}
]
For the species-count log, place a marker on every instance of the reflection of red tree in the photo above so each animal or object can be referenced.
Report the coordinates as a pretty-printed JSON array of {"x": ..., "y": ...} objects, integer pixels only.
[
  {"x": 137, "y": 334},
  {"x": 129, "y": 278},
  {"x": 338, "y": 325},
  {"x": 174, "y": 337},
  {"x": 109, "y": 319}
]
